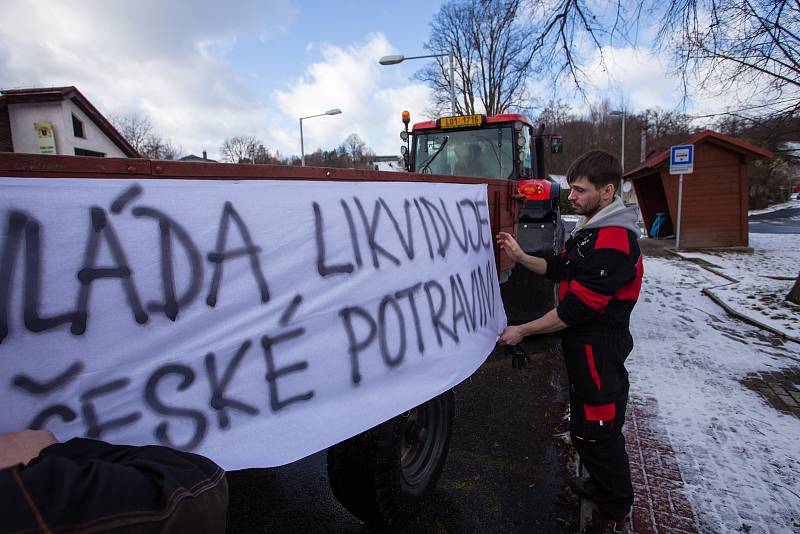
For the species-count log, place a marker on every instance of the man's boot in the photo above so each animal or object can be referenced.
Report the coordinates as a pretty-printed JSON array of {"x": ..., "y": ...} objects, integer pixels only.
[
  {"x": 585, "y": 488},
  {"x": 601, "y": 525}
]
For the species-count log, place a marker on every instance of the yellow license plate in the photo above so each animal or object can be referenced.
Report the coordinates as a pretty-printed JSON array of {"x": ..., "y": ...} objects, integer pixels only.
[{"x": 461, "y": 121}]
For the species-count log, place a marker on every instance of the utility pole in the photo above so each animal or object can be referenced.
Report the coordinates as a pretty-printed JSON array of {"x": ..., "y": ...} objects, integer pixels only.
[
  {"x": 643, "y": 149},
  {"x": 335, "y": 111},
  {"x": 621, "y": 115}
]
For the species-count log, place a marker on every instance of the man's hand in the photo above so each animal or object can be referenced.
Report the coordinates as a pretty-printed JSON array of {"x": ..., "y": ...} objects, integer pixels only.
[
  {"x": 512, "y": 335},
  {"x": 507, "y": 242},
  {"x": 22, "y": 447}
]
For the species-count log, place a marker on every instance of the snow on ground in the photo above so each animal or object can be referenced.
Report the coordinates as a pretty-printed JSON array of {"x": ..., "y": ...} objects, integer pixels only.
[
  {"x": 756, "y": 295},
  {"x": 740, "y": 457}
]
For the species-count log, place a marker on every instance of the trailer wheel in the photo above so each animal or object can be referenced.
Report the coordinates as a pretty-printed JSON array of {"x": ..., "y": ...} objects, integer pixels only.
[{"x": 382, "y": 475}]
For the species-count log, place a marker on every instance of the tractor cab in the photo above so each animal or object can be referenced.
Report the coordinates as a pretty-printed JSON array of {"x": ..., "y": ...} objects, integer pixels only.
[{"x": 506, "y": 147}]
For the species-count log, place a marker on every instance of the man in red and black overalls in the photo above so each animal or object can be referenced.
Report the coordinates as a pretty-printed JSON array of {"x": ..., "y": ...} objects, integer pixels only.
[{"x": 599, "y": 274}]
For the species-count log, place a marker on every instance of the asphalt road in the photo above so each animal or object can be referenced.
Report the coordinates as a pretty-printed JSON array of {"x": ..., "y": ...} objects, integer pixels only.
[
  {"x": 505, "y": 472},
  {"x": 785, "y": 221}
]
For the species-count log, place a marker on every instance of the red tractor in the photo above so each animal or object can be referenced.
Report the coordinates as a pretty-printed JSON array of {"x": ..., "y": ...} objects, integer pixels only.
[{"x": 505, "y": 147}]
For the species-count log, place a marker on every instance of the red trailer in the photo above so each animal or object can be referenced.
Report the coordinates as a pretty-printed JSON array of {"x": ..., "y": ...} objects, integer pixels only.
[{"x": 412, "y": 446}]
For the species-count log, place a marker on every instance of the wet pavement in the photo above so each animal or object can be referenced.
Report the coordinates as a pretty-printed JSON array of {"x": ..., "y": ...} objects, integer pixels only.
[
  {"x": 506, "y": 470},
  {"x": 784, "y": 221}
]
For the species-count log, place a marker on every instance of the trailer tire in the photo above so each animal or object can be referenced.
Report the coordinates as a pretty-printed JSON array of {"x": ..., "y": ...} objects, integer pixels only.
[{"x": 382, "y": 475}]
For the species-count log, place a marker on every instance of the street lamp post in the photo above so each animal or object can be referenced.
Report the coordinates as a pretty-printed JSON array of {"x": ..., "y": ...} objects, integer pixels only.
[
  {"x": 334, "y": 111},
  {"x": 394, "y": 60},
  {"x": 621, "y": 114}
]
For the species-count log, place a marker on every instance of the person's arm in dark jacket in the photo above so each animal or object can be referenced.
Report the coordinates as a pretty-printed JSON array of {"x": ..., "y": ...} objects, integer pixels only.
[
  {"x": 86, "y": 485},
  {"x": 550, "y": 266}
]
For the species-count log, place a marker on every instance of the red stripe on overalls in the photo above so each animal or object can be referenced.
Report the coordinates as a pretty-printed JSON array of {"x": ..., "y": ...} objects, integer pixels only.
[
  {"x": 603, "y": 412},
  {"x": 563, "y": 285},
  {"x": 592, "y": 368}
]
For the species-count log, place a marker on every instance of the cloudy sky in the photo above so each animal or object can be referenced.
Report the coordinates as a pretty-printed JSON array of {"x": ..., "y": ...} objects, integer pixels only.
[{"x": 204, "y": 70}]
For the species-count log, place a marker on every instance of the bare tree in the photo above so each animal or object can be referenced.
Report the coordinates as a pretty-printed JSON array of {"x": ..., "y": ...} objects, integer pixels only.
[
  {"x": 560, "y": 28},
  {"x": 355, "y": 147},
  {"x": 158, "y": 148},
  {"x": 597, "y": 128},
  {"x": 239, "y": 149},
  {"x": 737, "y": 43},
  {"x": 138, "y": 130},
  {"x": 247, "y": 149},
  {"x": 135, "y": 127},
  {"x": 451, "y": 31},
  {"x": 555, "y": 114},
  {"x": 492, "y": 51},
  {"x": 770, "y": 181},
  {"x": 715, "y": 45},
  {"x": 351, "y": 153}
]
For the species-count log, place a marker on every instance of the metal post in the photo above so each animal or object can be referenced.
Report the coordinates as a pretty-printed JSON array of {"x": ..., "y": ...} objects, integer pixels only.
[
  {"x": 643, "y": 145},
  {"x": 680, "y": 205},
  {"x": 302, "y": 152},
  {"x": 623, "y": 142},
  {"x": 452, "y": 86},
  {"x": 395, "y": 59}
]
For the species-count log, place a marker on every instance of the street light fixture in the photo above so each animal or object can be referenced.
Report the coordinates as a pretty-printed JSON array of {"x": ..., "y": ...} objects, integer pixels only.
[
  {"x": 334, "y": 111},
  {"x": 394, "y": 60},
  {"x": 621, "y": 113}
]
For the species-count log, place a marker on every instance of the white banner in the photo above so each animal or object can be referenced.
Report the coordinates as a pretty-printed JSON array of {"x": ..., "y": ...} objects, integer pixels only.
[{"x": 254, "y": 322}]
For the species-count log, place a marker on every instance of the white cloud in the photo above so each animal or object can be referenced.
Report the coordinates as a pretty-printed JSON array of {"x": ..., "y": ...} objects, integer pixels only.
[
  {"x": 633, "y": 77},
  {"x": 170, "y": 61},
  {"x": 164, "y": 58},
  {"x": 351, "y": 79},
  {"x": 638, "y": 79}
]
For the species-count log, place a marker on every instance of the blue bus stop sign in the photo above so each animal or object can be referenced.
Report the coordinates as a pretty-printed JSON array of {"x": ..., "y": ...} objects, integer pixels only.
[{"x": 681, "y": 159}]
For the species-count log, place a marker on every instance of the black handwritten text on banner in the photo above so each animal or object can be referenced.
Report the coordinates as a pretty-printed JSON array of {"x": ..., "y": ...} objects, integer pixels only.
[{"x": 255, "y": 322}]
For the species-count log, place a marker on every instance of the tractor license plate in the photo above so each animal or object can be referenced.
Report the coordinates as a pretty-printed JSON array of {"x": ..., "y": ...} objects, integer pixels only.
[{"x": 461, "y": 121}]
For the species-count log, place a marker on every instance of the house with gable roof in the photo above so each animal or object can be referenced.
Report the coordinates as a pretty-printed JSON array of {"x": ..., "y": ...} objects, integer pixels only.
[{"x": 57, "y": 120}]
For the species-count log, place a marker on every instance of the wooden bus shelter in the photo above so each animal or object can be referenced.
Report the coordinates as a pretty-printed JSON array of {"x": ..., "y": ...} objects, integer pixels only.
[{"x": 715, "y": 195}]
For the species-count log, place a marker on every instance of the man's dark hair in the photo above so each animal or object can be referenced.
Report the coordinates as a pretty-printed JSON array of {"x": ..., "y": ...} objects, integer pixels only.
[{"x": 599, "y": 167}]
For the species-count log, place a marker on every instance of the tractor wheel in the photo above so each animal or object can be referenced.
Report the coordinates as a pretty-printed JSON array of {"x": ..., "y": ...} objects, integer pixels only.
[{"x": 382, "y": 475}]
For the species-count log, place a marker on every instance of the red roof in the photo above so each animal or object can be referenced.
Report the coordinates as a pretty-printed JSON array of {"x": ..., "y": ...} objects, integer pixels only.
[
  {"x": 506, "y": 117},
  {"x": 57, "y": 94},
  {"x": 727, "y": 141}
]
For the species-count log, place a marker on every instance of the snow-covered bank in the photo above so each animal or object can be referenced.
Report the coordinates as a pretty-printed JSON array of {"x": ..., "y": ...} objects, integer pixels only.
[
  {"x": 757, "y": 295},
  {"x": 740, "y": 456}
]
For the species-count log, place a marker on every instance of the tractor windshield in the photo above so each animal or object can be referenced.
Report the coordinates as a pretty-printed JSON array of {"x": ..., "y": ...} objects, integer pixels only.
[{"x": 479, "y": 153}]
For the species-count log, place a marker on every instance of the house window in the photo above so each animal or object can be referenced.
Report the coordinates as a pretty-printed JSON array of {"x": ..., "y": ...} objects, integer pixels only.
[
  {"x": 77, "y": 127},
  {"x": 84, "y": 152}
]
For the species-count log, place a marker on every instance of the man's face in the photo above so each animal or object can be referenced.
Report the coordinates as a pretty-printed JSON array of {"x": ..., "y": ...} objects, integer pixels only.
[{"x": 586, "y": 199}]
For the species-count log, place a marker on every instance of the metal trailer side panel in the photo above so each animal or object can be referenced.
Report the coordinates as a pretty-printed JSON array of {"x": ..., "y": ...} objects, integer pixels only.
[{"x": 502, "y": 208}]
